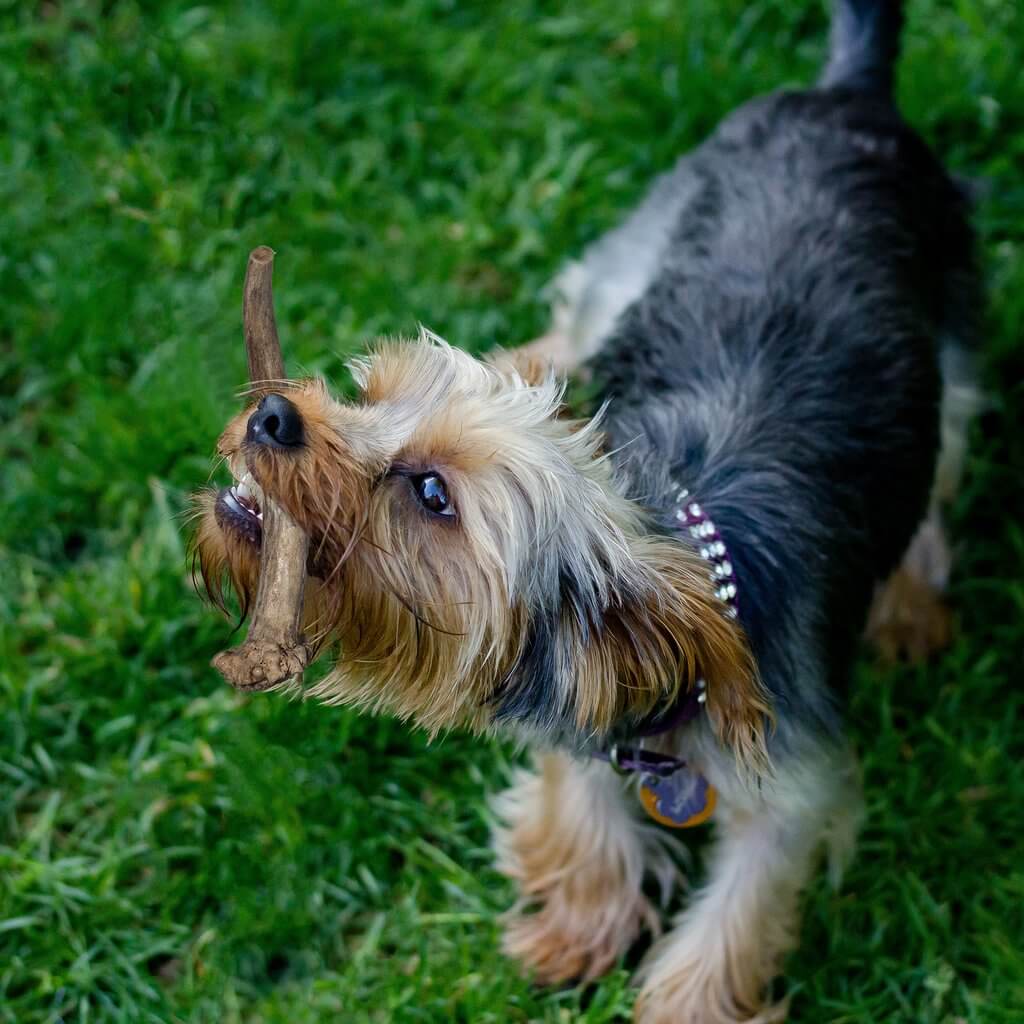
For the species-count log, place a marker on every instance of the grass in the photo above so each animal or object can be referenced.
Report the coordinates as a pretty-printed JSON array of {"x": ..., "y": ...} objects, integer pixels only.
[{"x": 170, "y": 851}]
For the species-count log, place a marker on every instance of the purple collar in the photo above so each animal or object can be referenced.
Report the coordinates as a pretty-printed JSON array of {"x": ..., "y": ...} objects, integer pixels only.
[
  {"x": 626, "y": 760},
  {"x": 629, "y": 759}
]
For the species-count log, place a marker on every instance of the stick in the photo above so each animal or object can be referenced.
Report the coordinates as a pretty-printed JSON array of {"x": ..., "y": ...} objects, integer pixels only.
[
  {"x": 262, "y": 345},
  {"x": 274, "y": 650}
]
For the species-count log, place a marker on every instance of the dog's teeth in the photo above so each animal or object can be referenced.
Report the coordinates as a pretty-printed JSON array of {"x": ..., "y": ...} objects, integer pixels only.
[{"x": 242, "y": 490}]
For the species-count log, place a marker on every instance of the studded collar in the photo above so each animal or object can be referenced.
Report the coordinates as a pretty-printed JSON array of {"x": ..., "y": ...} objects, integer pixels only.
[{"x": 690, "y": 517}]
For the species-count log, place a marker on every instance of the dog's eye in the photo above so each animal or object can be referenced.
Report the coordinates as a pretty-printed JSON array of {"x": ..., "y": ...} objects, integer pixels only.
[{"x": 433, "y": 494}]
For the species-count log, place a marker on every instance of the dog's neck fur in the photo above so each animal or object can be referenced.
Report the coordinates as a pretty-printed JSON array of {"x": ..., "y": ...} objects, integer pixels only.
[
  {"x": 769, "y": 534},
  {"x": 755, "y": 371}
]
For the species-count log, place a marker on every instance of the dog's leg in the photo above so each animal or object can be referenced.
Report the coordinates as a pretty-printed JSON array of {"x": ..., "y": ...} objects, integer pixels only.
[
  {"x": 591, "y": 293},
  {"x": 716, "y": 965},
  {"x": 560, "y": 346},
  {"x": 909, "y": 619},
  {"x": 579, "y": 857},
  {"x": 554, "y": 349}
]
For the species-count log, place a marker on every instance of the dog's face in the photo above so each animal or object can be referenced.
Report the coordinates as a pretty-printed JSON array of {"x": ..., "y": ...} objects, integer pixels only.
[{"x": 471, "y": 557}]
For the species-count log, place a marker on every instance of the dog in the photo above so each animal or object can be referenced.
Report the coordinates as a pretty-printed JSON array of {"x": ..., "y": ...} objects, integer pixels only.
[{"x": 663, "y": 599}]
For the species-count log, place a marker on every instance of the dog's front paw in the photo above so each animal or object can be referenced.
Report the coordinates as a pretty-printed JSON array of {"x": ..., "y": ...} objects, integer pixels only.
[
  {"x": 575, "y": 936},
  {"x": 579, "y": 860},
  {"x": 698, "y": 994}
]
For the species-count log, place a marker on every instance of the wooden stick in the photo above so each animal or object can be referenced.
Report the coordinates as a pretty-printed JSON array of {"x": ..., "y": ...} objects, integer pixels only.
[
  {"x": 274, "y": 649},
  {"x": 262, "y": 344}
]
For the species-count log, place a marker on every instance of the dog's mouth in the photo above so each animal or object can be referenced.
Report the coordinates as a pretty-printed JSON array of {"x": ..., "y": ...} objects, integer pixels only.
[{"x": 238, "y": 509}]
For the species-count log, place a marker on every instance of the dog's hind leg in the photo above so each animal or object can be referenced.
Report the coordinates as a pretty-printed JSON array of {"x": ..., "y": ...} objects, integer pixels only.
[
  {"x": 571, "y": 842},
  {"x": 909, "y": 619},
  {"x": 560, "y": 346},
  {"x": 590, "y": 294}
]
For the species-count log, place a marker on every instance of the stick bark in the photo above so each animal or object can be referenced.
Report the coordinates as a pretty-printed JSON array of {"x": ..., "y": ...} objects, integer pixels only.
[{"x": 274, "y": 649}]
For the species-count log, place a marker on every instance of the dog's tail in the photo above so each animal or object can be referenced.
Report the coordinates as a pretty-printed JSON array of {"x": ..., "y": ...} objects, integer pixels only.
[{"x": 864, "y": 45}]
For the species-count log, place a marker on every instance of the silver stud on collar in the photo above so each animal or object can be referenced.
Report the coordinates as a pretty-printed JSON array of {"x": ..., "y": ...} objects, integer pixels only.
[{"x": 691, "y": 517}]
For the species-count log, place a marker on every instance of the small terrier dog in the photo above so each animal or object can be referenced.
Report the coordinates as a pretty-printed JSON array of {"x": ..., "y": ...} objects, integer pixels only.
[{"x": 665, "y": 599}]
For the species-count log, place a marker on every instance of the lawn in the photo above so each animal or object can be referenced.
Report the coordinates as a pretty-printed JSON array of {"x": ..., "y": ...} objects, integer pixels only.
[{"x": 172, "y": 851}]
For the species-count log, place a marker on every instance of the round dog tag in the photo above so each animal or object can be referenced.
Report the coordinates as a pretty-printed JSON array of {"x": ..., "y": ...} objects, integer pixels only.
[{"x": 682, "y": 800}]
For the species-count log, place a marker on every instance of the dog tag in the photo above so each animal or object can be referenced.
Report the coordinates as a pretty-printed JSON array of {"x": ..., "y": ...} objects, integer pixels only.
[{"x": 682, "y": 800}]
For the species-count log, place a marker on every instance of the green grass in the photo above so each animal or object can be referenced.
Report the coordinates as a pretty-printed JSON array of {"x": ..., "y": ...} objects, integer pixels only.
[{"x": 171, "y": 851}]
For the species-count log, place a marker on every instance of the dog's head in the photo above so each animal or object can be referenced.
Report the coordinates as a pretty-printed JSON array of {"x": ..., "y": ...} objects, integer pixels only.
[{"x": 471, "y": 558}]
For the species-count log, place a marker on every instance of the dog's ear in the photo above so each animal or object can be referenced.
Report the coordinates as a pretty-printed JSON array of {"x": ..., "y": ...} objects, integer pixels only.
[
  {"x": 593, "y": 664},
  {"x": 667, "y": 631}
]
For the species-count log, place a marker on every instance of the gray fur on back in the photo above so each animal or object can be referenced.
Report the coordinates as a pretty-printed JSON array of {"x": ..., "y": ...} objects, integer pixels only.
[{"x": 766, "y": 328}]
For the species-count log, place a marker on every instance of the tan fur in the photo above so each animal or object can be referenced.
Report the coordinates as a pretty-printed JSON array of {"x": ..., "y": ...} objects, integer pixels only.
[
  {"x": 716, "y": 965},
  {"x": 909, "y": 620},
  {"x": 552, "y": 350},
  {"x": 579, "y": 858},
  {"x": 682, "y": 624},
  {"x": 220, "y": 557},
  {"x": 429, "y": 617}
]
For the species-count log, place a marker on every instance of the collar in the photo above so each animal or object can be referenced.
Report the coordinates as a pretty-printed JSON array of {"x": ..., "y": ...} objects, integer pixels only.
[
  {"x": 629, "y": 759},
  {"x": 689, "y": 517},
  {"x": 692, "y": 518}
]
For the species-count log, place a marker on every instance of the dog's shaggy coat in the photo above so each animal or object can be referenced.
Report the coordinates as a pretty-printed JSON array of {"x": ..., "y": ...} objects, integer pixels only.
[{"x": 784, "y": 328}]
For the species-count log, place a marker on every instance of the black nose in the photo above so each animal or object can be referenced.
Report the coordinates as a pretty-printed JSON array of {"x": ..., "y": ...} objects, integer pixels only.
[{"x": 276, "y": 422}]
